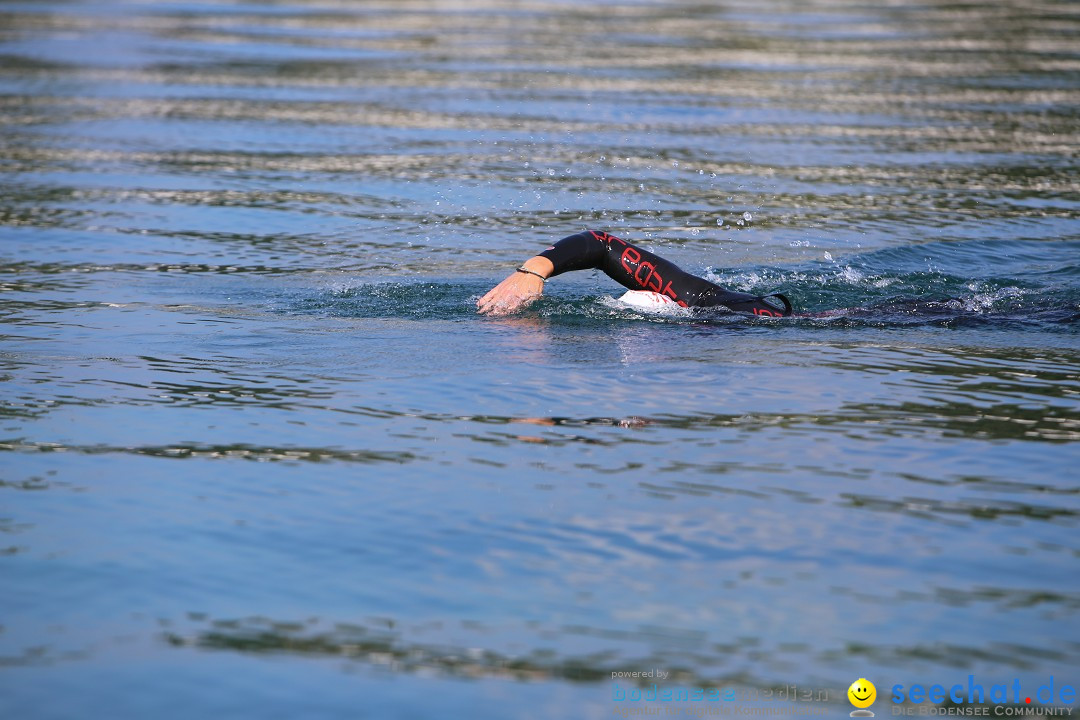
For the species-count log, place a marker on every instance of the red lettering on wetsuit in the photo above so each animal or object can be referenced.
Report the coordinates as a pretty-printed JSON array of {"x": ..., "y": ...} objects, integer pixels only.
[
  {"x": 630, "y": 258},
  {"x": 653, "y": 280},
  {"x": 647, "y": 283},
  {"x": 671, "y": 294}
]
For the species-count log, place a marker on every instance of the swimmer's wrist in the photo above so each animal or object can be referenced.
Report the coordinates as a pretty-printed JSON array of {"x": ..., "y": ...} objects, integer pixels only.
[
  {"x": 527, "y": 271},
  {"x": 539, "y": 266}
]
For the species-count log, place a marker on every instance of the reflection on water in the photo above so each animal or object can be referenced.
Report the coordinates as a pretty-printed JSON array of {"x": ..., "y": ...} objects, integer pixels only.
[
  {"x": 256, "y": 443},
  {"x": 381, "y": 644}
]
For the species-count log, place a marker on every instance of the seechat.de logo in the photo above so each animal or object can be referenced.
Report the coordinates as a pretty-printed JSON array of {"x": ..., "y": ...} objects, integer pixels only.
[{"x": 1007, "y": 698}]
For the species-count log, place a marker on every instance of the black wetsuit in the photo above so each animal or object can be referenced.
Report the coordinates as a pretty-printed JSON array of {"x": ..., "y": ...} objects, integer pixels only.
[{"x": 638, "y": 269}]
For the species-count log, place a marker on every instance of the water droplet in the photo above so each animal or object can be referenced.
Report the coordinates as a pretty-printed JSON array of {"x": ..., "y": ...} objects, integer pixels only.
[
  {"x": 602, "y": 158},
  {"x": 551, "y": 172},
  {"x": 747, "y": 216},
  {"x": 694, "y": 231},
  {"x": 674, "y": 163},
  {"x": 719, "y": 222},
  {"x": 740, "y": 223}
]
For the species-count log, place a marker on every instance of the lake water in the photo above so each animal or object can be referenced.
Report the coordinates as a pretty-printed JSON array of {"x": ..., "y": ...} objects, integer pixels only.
[{"x": 263, "y": 460}]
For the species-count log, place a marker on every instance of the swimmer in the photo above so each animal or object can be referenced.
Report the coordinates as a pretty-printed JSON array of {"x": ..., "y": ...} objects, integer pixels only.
[{"x": 628, "y": 265}]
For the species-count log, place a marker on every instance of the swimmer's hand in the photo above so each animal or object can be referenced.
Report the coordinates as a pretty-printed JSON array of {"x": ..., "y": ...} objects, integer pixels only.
[{"x": 517, "y": 290}]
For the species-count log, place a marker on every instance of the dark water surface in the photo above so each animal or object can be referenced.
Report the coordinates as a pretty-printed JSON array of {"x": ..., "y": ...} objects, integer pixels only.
[{"x": 262, "y": 460}]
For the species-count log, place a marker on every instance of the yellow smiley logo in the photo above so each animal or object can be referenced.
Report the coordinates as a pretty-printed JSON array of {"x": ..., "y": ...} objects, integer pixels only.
[{"x": 862, "y": 693}]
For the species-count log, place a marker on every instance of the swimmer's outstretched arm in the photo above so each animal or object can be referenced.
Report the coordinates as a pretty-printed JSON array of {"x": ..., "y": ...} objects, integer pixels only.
[
  {"x": 627, "y": 264},
  {"x": 576, "y": 252}
]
